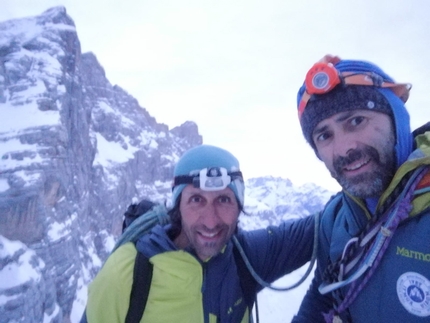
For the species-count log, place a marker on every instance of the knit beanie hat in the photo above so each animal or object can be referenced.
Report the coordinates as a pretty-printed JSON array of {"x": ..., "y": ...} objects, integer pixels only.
[
  {"x": 341, "y": 98},
  {"x": 206, "y": 156},
  {"x": 350, "y": 97}
]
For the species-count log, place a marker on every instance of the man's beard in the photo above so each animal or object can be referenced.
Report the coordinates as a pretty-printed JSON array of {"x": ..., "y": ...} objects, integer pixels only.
[
  {"x": 372, "y": 183},
  {"x": 209, "y": 248}
]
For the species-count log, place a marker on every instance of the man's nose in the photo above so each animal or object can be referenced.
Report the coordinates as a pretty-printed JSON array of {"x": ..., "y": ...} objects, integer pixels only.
[
  {"x": 344, "y": 143},
  {"x": 210, "y": 217}
]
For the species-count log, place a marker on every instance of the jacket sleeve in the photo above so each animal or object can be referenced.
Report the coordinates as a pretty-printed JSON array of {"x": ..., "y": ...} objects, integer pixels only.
[
  {"x": 278, "y": 250},
  {"x": 314, "y": 303},
  {"x": 109, "y": 293}
]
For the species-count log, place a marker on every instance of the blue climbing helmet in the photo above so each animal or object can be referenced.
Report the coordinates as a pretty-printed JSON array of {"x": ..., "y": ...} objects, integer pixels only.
[{"x": 209, "y": 168}]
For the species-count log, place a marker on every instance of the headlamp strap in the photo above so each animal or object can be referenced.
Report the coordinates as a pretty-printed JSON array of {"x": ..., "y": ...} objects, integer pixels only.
[
  {"x": 192, "y": 179},
  {"x": 324, "y": 77}
]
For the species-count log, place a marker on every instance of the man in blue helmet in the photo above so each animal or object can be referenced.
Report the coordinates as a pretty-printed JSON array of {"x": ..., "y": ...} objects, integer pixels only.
[
  {"x": 374, "y": 238},
  {"x": 195, "y": 272}
]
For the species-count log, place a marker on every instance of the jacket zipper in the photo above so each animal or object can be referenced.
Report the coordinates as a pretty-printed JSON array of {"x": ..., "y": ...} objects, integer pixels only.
[{"x": 205, "y": 310}]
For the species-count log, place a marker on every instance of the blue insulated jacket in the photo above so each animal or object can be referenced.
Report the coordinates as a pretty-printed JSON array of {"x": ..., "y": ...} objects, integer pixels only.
[
  {"x": 399, "y": 289},
  {"x": 185, "y": 289}
]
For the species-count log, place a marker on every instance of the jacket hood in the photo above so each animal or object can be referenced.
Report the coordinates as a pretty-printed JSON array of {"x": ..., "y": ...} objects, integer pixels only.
[{"x": 155, "y": 242}]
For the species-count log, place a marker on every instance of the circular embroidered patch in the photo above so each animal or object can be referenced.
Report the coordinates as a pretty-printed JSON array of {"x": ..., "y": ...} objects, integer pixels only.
[{"x": 413, "y": 290}]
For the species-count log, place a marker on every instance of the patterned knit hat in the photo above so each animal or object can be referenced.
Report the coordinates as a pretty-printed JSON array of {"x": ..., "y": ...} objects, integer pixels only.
[
  {"x": 341, "y": 98},
  {"x": 345, "y": 97},
  {"x": 203, "y": 157}
]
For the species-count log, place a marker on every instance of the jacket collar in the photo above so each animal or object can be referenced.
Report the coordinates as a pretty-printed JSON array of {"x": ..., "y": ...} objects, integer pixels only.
[{"x": 419, "y": 157}]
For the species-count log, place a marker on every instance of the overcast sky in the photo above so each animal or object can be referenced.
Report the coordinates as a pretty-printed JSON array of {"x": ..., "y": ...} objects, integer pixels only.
[{"x": 234, "y": 67}]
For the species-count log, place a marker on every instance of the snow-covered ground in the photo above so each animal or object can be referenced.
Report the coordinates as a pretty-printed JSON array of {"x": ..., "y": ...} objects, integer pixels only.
[{"x": 281, "y": 306}]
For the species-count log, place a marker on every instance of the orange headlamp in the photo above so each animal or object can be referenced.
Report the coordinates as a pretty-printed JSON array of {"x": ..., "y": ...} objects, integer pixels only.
[{"x": 324, "y": 77}]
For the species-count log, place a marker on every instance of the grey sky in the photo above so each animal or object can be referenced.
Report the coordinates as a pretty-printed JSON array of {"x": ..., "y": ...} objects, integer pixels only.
[{"x": 234, "y": 67}]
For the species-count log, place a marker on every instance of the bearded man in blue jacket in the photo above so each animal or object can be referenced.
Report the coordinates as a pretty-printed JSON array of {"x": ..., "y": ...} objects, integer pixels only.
[
  {"x": 374, "y": 238},
  {"x": 196, "y": 276}
]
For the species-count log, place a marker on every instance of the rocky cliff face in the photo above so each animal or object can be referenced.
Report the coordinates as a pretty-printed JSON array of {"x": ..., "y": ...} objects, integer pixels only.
[{"x": 74, "y": 152}]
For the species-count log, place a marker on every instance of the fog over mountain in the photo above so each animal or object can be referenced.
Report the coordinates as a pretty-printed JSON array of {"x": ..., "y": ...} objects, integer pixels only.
[{"x": 75, "y": 151}]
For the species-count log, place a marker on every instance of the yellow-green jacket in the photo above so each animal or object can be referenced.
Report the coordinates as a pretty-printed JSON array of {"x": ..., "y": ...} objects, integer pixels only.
[{"x": 184, "y": 289}]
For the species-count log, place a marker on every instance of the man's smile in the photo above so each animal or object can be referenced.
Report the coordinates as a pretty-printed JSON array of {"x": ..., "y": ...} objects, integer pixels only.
[
  {"x": 209, "y": 234},
  {"x": 357, "y": 165}
]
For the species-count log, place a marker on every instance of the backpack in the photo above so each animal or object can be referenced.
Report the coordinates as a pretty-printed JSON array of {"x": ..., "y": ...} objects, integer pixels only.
[
  {"x": 134, "y": 211},
  {"x": 138, "y": 220}
]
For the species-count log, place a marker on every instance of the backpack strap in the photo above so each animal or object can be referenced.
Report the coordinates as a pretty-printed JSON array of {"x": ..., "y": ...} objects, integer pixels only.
[{"x": 142, "y": 277}]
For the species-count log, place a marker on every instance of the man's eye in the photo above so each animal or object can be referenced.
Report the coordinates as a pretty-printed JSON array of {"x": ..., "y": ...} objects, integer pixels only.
[
  {"x": 195, "y": 199},
  {"x": 322, "y": 136},
  {"x": 224, "y": 199},
  {"x": 356, "y": 121}
]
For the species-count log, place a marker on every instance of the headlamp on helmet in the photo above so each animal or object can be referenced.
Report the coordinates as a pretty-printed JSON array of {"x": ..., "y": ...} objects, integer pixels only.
[
  {"x": 209, "y": 179},
  {"x": 324, "y": 77}
]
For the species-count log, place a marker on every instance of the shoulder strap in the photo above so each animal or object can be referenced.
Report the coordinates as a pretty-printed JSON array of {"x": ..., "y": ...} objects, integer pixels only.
[
  {"x": 142, "y": 276},
  {"x": 247, "y": 282}
]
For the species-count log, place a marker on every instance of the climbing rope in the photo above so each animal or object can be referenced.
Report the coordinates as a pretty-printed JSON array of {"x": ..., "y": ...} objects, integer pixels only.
[
  {"x": 374, "y": 254},
  {"x": 301, "y": 280}
]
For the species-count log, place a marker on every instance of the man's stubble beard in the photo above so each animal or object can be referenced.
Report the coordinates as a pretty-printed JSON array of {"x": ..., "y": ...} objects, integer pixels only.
[{"x": 372, "y": 183}]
